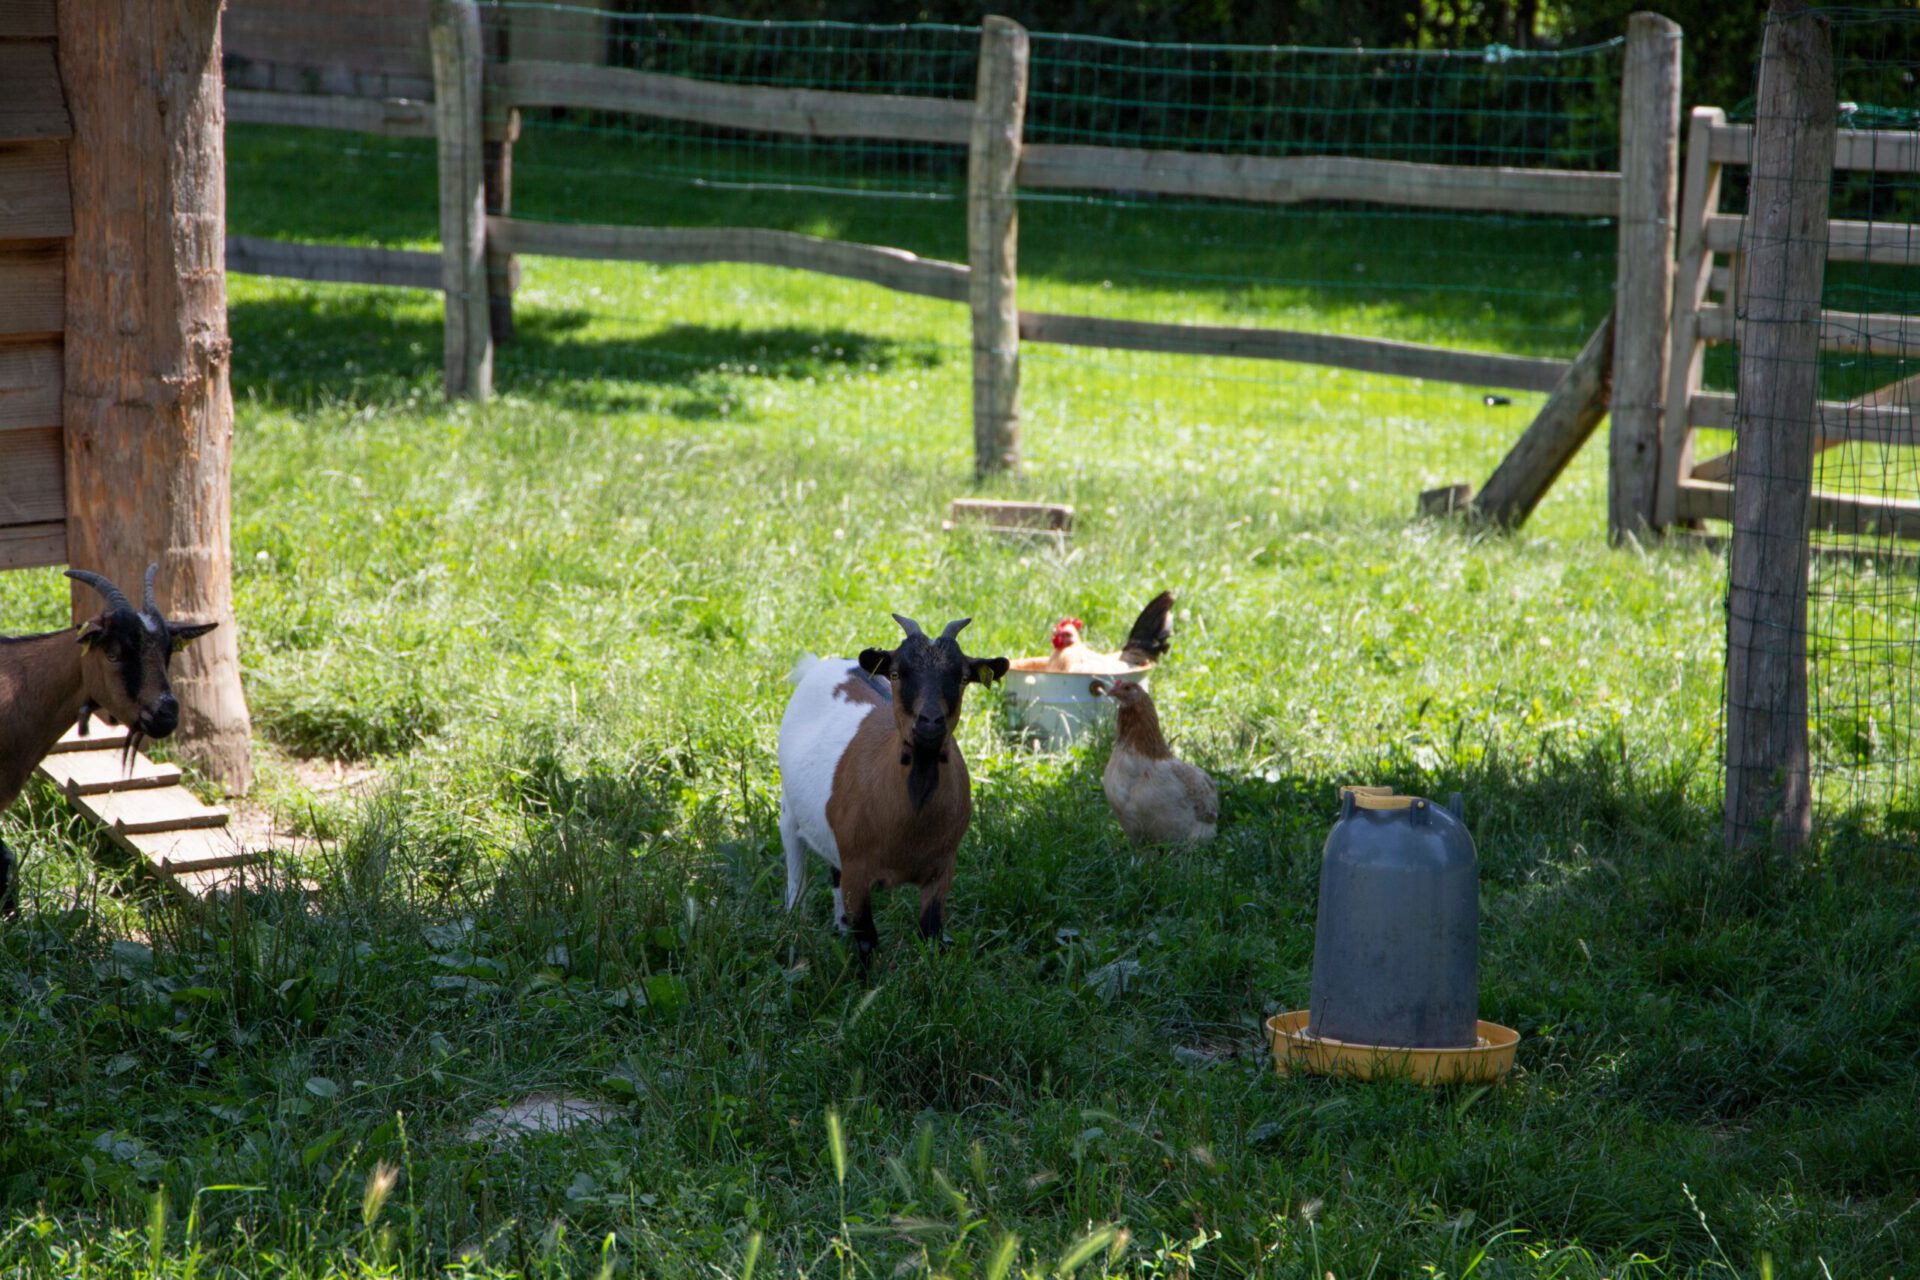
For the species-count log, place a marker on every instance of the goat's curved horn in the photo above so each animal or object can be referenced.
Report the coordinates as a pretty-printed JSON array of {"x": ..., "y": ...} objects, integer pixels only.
[
  {"x": 954, "y": 628},
  {"x": 909, "y": 626},
  {"x": 147, "y": 603},
  {"x": 114, "y": 598}
]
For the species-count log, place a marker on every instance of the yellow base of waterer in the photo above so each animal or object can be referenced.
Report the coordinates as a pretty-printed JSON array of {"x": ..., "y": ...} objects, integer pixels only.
[{"x": 1295, "y": 1050}]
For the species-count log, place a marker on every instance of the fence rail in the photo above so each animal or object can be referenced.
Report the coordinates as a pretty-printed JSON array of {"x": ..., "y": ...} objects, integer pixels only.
[
  {"x": 807, "y": 113},
  {"x": 875, "y": 264},
  {"x": 1293, "y": 179},
  {"x": 336, "y": 263}
]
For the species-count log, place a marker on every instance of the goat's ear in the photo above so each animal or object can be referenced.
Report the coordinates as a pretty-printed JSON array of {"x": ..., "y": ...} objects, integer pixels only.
[
  {"x": 986, "y": 670},
  {"x": 186, "y": 635},
  {"x": 877, "y": 662},
  {"x": 90, "y": 631}
]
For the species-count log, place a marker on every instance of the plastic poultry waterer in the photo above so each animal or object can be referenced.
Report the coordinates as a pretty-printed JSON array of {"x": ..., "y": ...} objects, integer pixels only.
[{"x": 1396, "y": 975}]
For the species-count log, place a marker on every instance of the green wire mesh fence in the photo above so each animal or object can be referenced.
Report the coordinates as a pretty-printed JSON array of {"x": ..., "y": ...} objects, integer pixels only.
[
  {"x": 1862, "y": 623},
  {"x": 1472, "y": 280},
  {"x": 1864, "y": 605}
]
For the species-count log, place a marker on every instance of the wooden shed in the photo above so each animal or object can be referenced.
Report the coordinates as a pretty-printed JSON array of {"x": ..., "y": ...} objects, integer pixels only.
[
  {"x": 116, "y": 417},
  {"x": 36, "y": 223}
]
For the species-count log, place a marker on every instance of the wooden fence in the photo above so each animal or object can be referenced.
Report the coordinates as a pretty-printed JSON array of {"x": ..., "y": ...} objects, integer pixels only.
[
  {"x": 1711, "y": 269},
  {"x": 476, "y": 132}
]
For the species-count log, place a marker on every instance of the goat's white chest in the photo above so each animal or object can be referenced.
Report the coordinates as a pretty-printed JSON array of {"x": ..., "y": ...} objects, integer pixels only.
[{"x": 820, "y": 722}]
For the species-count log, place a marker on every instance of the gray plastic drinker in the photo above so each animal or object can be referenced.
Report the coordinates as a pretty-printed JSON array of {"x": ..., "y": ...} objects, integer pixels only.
[{"x": 1395, "y": 945}]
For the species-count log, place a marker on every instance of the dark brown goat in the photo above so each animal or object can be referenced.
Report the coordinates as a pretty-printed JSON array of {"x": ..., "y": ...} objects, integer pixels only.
[{"x": 113, "y": 666}]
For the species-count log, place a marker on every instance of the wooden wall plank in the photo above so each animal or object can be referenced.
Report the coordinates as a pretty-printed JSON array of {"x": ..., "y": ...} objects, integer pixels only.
[
  {"x": 30, "y": 385},
  {"x": 32, "y": 108},
  {"x": 36, "y": 201},
  {"x": 1291, "y": 179},
  {"x": 33, "y": 299},
  {"x": 31, "y": 546},
  {"x": 33, "y": 486},
  {"x": 27, "y": 20},
  {"x": 810, "y": 113}
]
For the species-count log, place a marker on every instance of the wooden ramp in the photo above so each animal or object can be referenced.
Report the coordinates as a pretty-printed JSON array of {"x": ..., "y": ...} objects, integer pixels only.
[{"x": 146, "y": 811}]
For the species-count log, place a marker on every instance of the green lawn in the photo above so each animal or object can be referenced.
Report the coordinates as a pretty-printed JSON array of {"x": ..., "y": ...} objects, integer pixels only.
[{"x": 558, "y": 626}]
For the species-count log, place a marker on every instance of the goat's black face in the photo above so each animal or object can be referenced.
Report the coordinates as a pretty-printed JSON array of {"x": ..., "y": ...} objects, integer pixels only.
[
  {"x": 928, "y": 678},
  {"x": 128, "y": 651}
]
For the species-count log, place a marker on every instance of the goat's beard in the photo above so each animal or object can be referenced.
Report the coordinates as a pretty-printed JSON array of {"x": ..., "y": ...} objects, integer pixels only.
[{"x": 923, "y": 763}]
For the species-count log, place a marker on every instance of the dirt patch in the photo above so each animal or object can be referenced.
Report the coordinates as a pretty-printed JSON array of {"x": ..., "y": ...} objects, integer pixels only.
[{"x": 253, "y": 826}]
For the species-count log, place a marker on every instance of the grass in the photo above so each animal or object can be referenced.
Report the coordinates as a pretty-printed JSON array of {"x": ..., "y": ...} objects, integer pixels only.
[{"x": 558, "y": 626}]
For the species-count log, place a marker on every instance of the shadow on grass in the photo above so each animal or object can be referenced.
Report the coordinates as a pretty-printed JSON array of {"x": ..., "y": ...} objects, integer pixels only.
[
  {"x": 603, "y": 935},
  {"x": 379, "y": 346}
]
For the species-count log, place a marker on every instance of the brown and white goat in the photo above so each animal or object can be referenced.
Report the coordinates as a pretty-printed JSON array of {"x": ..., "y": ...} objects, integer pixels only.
[
  {"x": 871, "y": 778},
  {"x": 114, "y": 666}
]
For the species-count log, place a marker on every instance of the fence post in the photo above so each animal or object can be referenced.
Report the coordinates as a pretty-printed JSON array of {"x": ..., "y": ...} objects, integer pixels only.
[
  {"x": 503, "y": 270},
  {"x": 457, "y": 79},
  {"x": 1649, "y": 173},
  {"x": 999, "y": 114},
  {"x": 1768, "y": 782}
]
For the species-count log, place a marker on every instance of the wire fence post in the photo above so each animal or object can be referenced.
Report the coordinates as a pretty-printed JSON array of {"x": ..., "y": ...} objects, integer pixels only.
[
  {"x": 1649, "y": 171},
  {"x": 999, "y": 115},
  {"x": 457, "y": 79},
  {"x": 1769, "y": 798}
]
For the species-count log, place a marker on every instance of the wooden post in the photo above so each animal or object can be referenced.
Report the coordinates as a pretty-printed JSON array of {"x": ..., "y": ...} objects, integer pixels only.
[
  {"x": 1768, "y": 785},
  {"x": 1563, "y": 424},
  {"x": 502, "y": 270},
  {"x": 999, "y": 115},
  {"x": 1700, "y": 200},
  {"x": 1649, "y": 171},
  {"x": 457, "y": 79},
  {"x": 147, "y": 404}
]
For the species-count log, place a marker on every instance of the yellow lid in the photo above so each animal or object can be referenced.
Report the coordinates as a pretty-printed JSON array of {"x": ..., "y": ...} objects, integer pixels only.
[
  {"x": 1366, "y": 791},
  {"x": 1370, "y": 798}
]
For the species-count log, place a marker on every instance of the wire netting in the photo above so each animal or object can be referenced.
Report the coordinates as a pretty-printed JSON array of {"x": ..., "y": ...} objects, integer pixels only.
[
  {"x": 1862, "y": 622},
  {"x": 376, "y": 189},
  {"x": 1470, "y": 280},
  {"x": 1479, "y": 281}
]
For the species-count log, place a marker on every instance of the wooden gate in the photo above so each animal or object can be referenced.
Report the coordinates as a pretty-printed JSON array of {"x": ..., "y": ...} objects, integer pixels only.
[{"x": 1705, "y": 310}]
